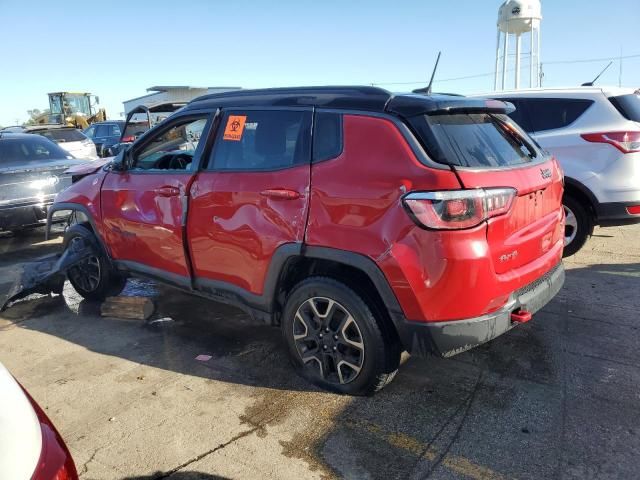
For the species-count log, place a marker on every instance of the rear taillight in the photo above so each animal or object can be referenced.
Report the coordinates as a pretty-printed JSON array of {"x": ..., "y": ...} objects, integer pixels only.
[
  {"x": 626, "y": 142},
  {"x": 127, "y": 139},
  {"x": 633, "y": 210},
  {"x": 457, "y": 209}
]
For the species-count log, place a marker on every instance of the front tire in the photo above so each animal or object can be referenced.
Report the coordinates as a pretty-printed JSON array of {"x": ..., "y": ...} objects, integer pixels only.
[
  {"x": 578, "y": 226},
  {"x": 93, "y": 278},
  {"x": 335, "y": 341}
]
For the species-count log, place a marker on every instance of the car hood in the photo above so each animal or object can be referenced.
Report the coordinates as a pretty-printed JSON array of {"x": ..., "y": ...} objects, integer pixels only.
[
  {"x": 43, "y": 166},
  {"x": 87, "y": 168},
  {"x": 20, "y": 433}
]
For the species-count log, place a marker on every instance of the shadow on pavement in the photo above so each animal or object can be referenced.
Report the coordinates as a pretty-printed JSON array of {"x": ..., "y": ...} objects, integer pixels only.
[
  {"x": 178, "y": 476},
  {"x": 446, "y": 418}
]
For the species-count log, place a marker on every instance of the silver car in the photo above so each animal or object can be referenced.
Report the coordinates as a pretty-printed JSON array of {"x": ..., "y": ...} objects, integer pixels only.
[
  {"x": 69, "y": 138},
  {"x": 594, "y": 132}
]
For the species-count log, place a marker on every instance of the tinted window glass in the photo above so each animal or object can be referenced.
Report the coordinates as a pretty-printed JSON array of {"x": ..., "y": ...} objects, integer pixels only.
[
  {"x": 262, "y": 140},
  {"x": 474, "y": 139},
  {"x": 134, "y": 130},
  {"x": 90, "y": 132},
  {"x": 520, "y": 115},
  {"x": 102, "y": 130},
  {"x": 114, "y": 130},
  {"x": 628, "y": 106},
  {"x": 327, "y": 136},
  {"x": 63, "y": 135},
  {"x": 16, "y": 152},
  {"x": 171, "y": 149},
  {"x": 550, "y": 113}
]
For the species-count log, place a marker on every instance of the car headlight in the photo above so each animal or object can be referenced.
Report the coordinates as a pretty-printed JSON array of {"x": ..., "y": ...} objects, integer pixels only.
[{"x": 43, "y": 183}]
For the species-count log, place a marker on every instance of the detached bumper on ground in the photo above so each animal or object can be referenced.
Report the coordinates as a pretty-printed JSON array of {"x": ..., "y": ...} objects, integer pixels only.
[{"x": 450, "y": 338}]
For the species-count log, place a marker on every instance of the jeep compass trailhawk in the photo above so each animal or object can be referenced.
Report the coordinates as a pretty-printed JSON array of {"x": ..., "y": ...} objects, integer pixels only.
[{"x": 361, "y": 222}]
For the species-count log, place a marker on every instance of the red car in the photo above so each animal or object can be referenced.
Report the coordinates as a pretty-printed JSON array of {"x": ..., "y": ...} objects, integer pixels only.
[{"x": 363, "y": 223}]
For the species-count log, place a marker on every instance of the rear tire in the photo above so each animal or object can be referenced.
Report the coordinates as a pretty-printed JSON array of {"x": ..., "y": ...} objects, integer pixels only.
[
  {"x": 93, "y": 278},
  {"x": 578, "y": 226},
  {"x": 335, "y": 341}
]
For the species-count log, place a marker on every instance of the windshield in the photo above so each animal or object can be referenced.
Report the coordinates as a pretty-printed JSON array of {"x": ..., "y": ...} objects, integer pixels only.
[
  {"x": 474, "y": 139},
  {"x": 628, "y": 106},
  {"x": 19, "y": 152}
]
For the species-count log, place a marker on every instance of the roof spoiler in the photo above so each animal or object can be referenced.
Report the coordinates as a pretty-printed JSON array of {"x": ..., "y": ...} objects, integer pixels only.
[{"x": 407, "y": 106}]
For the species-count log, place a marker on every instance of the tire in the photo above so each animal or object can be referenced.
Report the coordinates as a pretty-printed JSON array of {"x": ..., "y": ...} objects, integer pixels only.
[
  {"x": 578, "y": 227},
  {"x": 335, "y": 341},
  {"x": 94, "y": 278}
]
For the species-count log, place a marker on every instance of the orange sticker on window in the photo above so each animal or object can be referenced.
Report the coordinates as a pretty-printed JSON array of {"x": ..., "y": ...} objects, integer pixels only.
[{"x": 235, "y": 127}]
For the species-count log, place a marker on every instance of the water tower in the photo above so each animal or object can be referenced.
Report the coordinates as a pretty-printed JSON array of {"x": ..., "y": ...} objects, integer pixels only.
[{"x": 518, "y": 19}]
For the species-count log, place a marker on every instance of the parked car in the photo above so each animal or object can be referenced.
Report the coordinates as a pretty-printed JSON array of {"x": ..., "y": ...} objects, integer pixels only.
[
  {"x": 363, "y": 223},
  {"x": 31, "y": 173},
  {"x": 139, "y": 120},
  {"x": 594, "y": 132},
  {"x": 105, "y": 134},
  {"x": 69, "y": 138},
  {"x": 30, "y": 446}
]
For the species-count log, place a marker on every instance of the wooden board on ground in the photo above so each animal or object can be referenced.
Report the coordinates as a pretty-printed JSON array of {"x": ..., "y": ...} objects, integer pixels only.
[{"x": 132, "y": 308}]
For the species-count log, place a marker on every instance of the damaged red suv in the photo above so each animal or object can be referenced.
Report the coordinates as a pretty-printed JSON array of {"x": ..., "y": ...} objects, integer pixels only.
[{"x": 362, "y": 222}]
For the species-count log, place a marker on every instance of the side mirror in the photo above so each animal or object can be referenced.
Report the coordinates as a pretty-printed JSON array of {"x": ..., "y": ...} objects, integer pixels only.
[
  {"x": 119, "y": 163},
  {"x": 111, "y": 151}
]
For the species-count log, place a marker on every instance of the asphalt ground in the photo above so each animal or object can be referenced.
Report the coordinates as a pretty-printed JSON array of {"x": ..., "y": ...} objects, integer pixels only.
[{"x": 558, "y": 397}]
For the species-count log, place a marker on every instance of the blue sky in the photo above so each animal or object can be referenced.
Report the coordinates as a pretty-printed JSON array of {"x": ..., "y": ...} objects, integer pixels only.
[{"x": 117, "y": 49}]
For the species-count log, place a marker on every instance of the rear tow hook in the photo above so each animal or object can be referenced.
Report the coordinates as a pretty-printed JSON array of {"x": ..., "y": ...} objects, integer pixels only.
[{"x": 521, "y": 316}]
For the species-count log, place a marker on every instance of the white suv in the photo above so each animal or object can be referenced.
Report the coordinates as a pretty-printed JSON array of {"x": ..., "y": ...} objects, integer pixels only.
[{"x": 595, "y": 134}]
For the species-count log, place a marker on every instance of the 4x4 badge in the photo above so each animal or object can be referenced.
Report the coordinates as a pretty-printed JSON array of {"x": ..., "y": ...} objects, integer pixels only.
[{"x": 545, "y": 172}]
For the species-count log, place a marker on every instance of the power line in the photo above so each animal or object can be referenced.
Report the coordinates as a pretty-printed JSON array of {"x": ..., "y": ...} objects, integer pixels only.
[
  {"x": 490, "y": 74},
  {"x": 604, "y": 59}
]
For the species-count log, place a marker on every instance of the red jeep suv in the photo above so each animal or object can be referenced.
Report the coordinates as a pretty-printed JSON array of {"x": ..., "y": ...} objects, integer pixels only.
[{"x": 362, "y": 222}]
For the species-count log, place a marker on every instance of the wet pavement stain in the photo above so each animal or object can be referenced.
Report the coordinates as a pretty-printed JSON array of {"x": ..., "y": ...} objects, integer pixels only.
[{"x": 274, "y": 408}]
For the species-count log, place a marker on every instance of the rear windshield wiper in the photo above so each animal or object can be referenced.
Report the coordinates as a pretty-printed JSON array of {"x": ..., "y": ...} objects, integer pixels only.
[{"x": 515, "y": 136}]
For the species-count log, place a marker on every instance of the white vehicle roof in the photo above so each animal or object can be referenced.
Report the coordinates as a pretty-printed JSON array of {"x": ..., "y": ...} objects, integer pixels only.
[
  {"x": 560, "y": 91},
  {"x": 20, "y": 433}
]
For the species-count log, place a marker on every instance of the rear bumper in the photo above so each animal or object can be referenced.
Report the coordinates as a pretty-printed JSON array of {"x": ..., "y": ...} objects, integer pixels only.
[
  {"x": 449, "y": 338},
  {"x": 612, "y": 214}
]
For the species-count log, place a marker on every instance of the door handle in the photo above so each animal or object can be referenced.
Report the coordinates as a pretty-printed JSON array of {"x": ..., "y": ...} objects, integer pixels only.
[
  {"x": 167, "y": 191},
  {"x": 280, "y": 193}
]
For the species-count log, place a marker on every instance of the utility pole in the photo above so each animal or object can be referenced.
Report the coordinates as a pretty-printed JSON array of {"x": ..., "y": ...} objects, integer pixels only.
[{"x": 620, "y": 71}]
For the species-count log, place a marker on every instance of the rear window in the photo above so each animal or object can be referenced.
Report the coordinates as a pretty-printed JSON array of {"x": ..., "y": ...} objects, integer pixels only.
[
  {"x": 551, "y": 113},
  {"x": 474, "y": 139},
  {"x": 18, "y": 152},
  {"x": 628, "y": 106},
  {"x": 135, "y": 129},
  {"x": 63, "y": 135}
]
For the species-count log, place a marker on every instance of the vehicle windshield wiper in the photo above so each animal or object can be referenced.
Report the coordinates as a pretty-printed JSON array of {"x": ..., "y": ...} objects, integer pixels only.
[{"x": 515, "y": 136}]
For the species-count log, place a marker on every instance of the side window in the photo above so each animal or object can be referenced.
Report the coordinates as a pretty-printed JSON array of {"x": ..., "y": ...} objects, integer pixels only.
[
  {"x": 327, "y": 136},
  {"x": 521, "y": 114},
  {"x": 102, "y": 130},
  {"x": 551, "y": 113},
  {"x": 114, "y": 130},
  {"x": 90, "y": 132},
  {"x": 171, "y": 149},
  {"x": 261, "y": 140}
]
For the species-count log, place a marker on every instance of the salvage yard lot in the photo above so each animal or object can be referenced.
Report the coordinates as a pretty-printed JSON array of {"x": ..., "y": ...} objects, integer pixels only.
[{"x": 556, "y": 398}]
